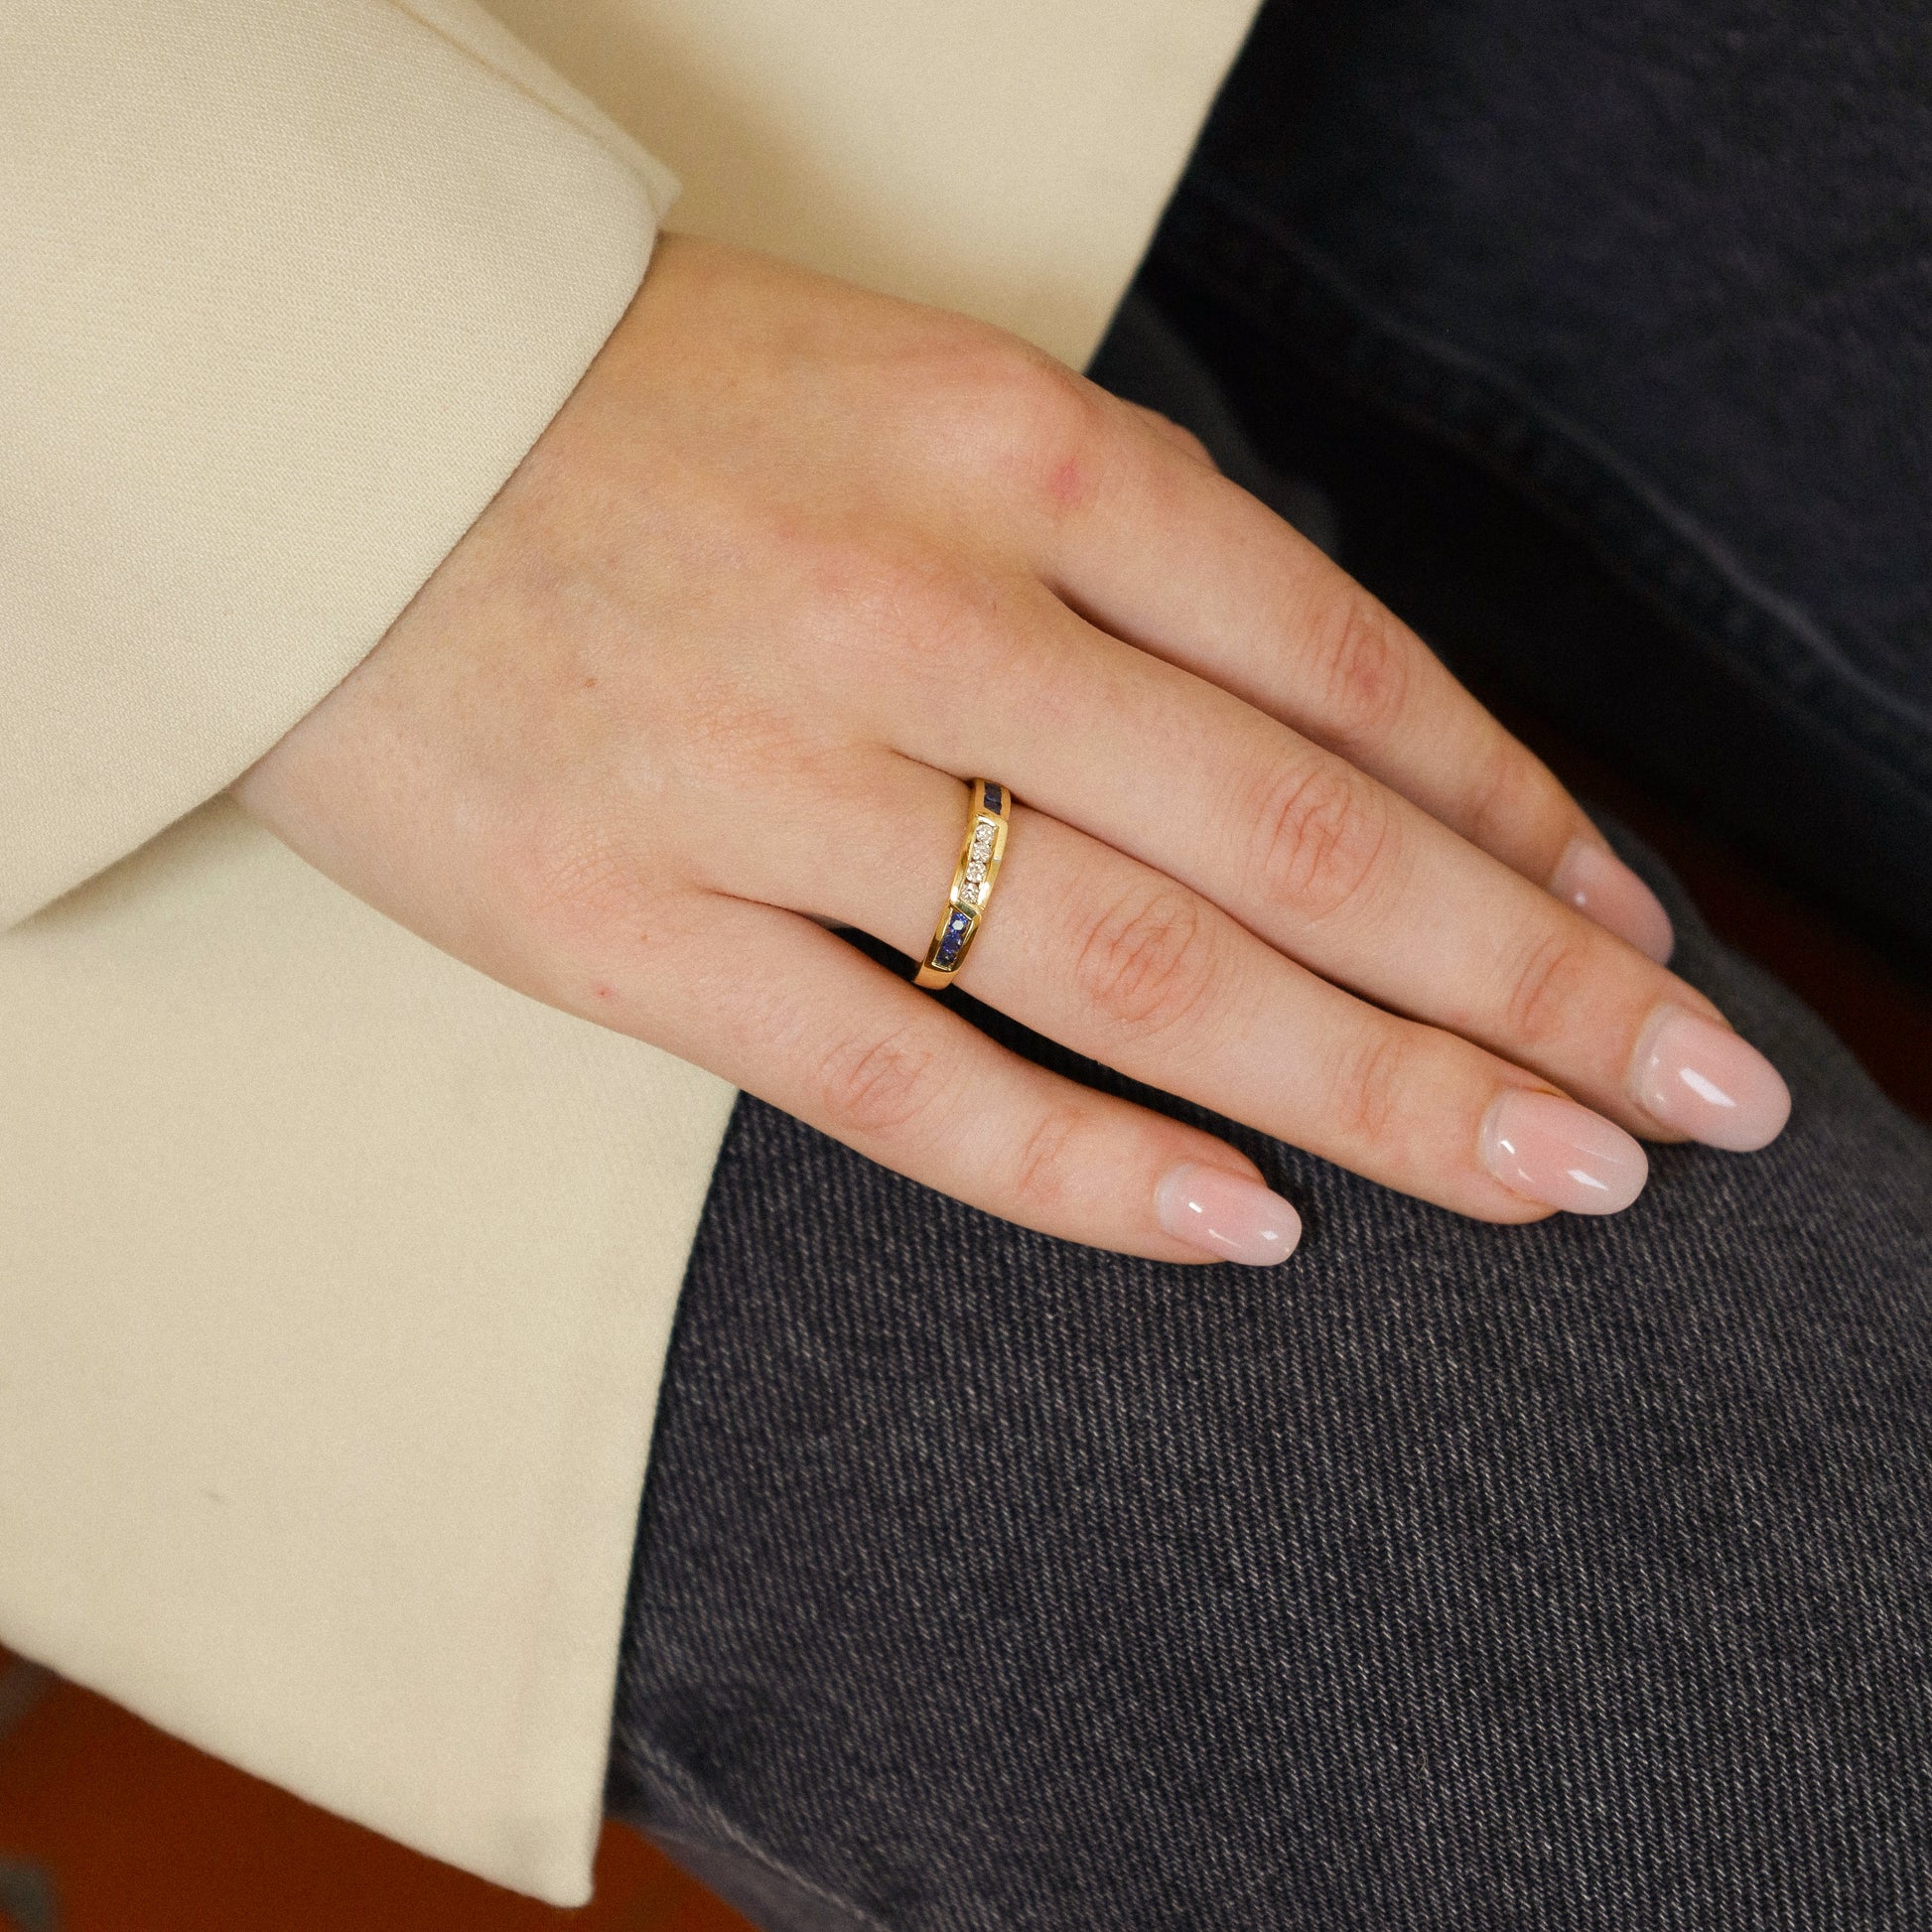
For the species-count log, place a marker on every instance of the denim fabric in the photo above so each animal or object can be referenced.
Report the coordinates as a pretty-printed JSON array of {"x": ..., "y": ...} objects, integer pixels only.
[
  {"x": 1668, "y": 271},
  {"x": 1452, "y": 1575}
]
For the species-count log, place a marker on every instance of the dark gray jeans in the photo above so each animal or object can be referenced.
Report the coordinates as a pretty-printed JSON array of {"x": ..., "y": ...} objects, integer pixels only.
[{"x": 1452, "y": 1575}]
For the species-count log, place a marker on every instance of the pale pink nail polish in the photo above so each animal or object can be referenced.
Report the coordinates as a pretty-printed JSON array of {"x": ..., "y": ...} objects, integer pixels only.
[
  {"x": 1550, "y": 1150},
  {"x": 1599, "y": 886},
  {"x": 1227, "y": 1216},
  {"x": 1702, "y": 1080}
]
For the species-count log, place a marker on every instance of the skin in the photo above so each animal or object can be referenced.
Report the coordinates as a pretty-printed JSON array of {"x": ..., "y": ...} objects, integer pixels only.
[{"x": 792, "y": 562}]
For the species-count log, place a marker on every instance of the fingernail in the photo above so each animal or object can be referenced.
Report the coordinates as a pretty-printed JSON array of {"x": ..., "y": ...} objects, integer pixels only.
[
  {"x": 1227, "y": 1216},
  {"x": 1602, "y": 887},
  {"x": 1550, "y": 1150},
  {"x": 1702, "y": 1080}
]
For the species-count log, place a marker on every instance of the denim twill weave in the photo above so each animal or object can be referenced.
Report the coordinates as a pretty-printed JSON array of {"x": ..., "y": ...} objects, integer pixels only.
[{"x": 1451, "y": 1577}]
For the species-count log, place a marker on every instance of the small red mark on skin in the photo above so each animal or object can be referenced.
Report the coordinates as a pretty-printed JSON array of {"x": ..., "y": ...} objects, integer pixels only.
[
  {"x": 601, "y": 992},
  {"x": 1067, "y": 482}
]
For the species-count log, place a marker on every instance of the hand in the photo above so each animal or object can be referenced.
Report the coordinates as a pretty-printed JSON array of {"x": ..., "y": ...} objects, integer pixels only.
[{"x": 795, "y": 561}]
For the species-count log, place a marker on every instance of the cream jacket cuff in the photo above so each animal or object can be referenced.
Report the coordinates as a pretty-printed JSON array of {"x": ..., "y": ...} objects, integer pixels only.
[
  {"x": 286, "y": 292},
  {"x": 334, "y": 1279}
]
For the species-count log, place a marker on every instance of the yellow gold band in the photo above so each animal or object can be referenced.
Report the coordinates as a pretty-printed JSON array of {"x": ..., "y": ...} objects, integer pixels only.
[{"x": 980, "y": 853}]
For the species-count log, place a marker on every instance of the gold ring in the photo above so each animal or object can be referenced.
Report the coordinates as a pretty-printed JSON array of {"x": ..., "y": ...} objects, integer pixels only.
[{"x": 980, "y": 853}]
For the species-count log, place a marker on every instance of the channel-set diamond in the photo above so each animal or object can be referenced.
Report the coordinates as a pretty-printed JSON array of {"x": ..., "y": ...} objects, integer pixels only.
[{"x": 978, "y": 857}]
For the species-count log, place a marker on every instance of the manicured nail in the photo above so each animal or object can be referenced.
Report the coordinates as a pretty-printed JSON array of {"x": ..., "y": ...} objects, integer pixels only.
[
  {"x": 1227, "y": 1216},
  {"x": 1702, "y": 1080},
  {"x": 1602, "y": 887},
  {"x": 1550, "y": 1150}
]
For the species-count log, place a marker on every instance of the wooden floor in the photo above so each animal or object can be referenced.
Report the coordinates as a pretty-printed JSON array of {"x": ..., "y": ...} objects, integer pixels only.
[{"x": 107, "y": 1825}]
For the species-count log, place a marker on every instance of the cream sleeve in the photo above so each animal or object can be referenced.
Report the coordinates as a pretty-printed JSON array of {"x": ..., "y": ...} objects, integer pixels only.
[{"x": 286, "y": 292}]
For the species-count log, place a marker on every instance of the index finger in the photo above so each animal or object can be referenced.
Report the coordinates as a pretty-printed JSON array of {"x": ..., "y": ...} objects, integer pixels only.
[{"x": 1172, "y": 557}]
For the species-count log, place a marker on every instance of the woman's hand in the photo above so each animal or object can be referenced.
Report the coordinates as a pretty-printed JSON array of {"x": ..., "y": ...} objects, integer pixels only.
[{"x": 795, "y": 561}]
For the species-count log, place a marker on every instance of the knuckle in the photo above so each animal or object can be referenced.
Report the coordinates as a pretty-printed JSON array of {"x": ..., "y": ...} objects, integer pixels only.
[
  {"x": 1190, "y": 444},
  {"x": 1322, "y": 831},
  {"x": 1046, "y": 428},
  {"x": 1051, "y": 400},
  {"x": 878, "y": 1086},
  {"x": 1365, "y": 1097},
  {"x": 1145, "y": 961},
  {"x": 1044, "y": 1168},
  {"x": 1182, "y": 439},
  {"x": 1363, "y": 666},
  {"x": 1511, "y": 796},
  {"x": 1544, "y": 981}
]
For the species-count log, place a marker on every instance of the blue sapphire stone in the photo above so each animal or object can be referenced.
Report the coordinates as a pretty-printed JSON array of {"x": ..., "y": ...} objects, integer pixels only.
[
  {"x": 994, "y": 798},
  {"x": 952, "y": 939}
]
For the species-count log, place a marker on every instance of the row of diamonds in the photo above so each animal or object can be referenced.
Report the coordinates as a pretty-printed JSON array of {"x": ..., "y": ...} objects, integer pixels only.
[{"x": 973, "y": 887}]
